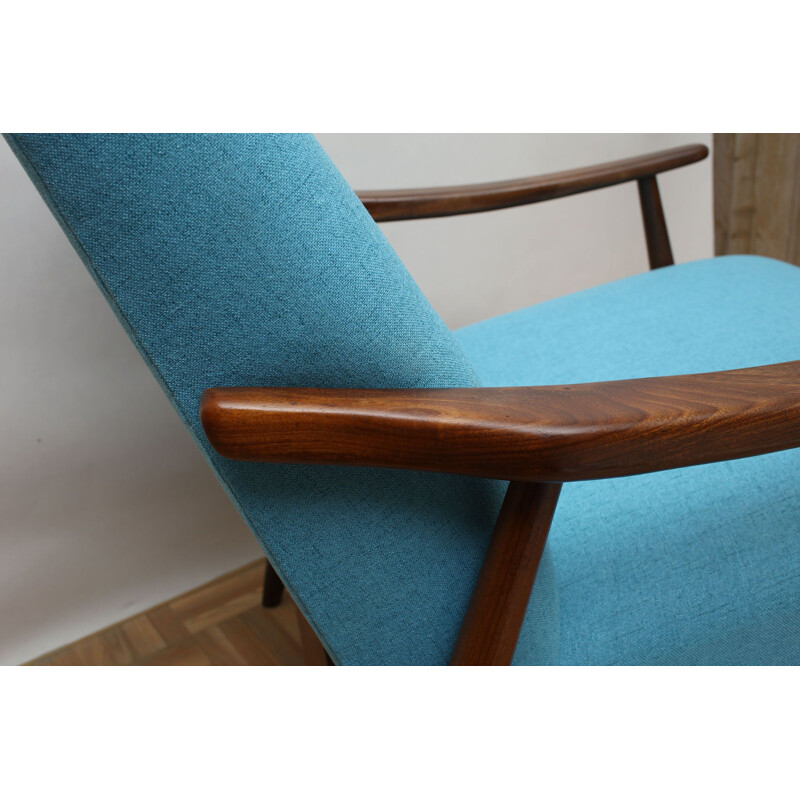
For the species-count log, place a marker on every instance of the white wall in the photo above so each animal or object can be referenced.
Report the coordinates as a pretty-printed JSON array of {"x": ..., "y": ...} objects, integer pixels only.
[{"x": 106, "y": 507}]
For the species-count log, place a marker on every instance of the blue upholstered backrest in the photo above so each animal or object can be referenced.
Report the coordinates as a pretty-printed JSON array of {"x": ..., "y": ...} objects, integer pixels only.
[{"x": 248, "y": 260}]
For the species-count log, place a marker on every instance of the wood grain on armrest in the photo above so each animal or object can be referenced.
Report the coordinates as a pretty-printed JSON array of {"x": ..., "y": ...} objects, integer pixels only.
[
  {"x": 444, "y": 201},
  {"x": 547, "y": 433}
]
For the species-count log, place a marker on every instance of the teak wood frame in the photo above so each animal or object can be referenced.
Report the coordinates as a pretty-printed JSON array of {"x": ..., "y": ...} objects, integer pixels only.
[{"x": 535, "y": 437}]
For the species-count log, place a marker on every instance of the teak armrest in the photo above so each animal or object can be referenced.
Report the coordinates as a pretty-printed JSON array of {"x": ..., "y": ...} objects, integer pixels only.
[
  {"x": 540, "y": 434},
  {"x": 536, "y": 437},
  {"x": 442, "y": 201}
]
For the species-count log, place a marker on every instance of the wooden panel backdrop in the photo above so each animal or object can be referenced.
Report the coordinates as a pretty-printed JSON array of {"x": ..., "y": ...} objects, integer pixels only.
[{"x": 757, "y": 194}]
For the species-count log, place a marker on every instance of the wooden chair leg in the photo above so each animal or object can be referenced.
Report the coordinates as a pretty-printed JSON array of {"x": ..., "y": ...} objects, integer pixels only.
[
  {"x": 655, "y": 225},
  {"x": 273, "y": 588},
  {"x": 314, "y": 652},
  {"x": 494, "y": 618}
]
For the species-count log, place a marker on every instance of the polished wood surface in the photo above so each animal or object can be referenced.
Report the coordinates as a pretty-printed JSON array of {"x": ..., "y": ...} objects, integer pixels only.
[
  {"x": 442, "y": 201},
  {"x": 492, "y": 624},
  {"x": 548, "y": 433},
  {"x": 221, "y": 623},
  {"x": 659, "y": 250}
]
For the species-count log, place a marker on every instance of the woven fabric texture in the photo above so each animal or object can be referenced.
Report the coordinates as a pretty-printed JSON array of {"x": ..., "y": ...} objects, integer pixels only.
[
  {"x": 690, "y": 566},
  {"x": 247, "y": 260}
]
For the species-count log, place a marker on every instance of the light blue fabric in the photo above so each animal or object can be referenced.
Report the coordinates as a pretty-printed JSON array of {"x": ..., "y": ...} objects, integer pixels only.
[
  {"x": 690, "y": 566},
  {"x": 247, "y": 260}
]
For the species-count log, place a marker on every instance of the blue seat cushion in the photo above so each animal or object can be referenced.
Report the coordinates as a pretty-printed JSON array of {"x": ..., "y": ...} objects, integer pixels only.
[{"x": 691, "y": 566}]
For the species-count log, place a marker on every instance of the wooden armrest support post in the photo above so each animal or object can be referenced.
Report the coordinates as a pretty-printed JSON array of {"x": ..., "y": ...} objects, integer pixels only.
[{"x": 491, "y": 626}]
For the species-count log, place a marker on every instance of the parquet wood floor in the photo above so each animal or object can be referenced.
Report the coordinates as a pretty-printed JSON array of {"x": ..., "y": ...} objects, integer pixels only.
[{"x": 220, "y": 623}]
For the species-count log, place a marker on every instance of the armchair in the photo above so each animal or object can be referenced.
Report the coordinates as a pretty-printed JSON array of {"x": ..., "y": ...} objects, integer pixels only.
[{"x": 247, "y": 263}]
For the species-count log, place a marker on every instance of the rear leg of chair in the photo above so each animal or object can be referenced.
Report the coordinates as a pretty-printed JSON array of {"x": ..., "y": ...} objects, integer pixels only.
[
  {"x": 497, "y": 609},
  {"x": 273, "y": 588},
  {"x": 314, "y": 652}
]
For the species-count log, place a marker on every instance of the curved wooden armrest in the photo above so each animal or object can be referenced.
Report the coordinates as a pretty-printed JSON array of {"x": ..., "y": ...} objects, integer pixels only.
[
  {"x": 445, "y": 201},
  {"x": 547, "y": 433}
]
